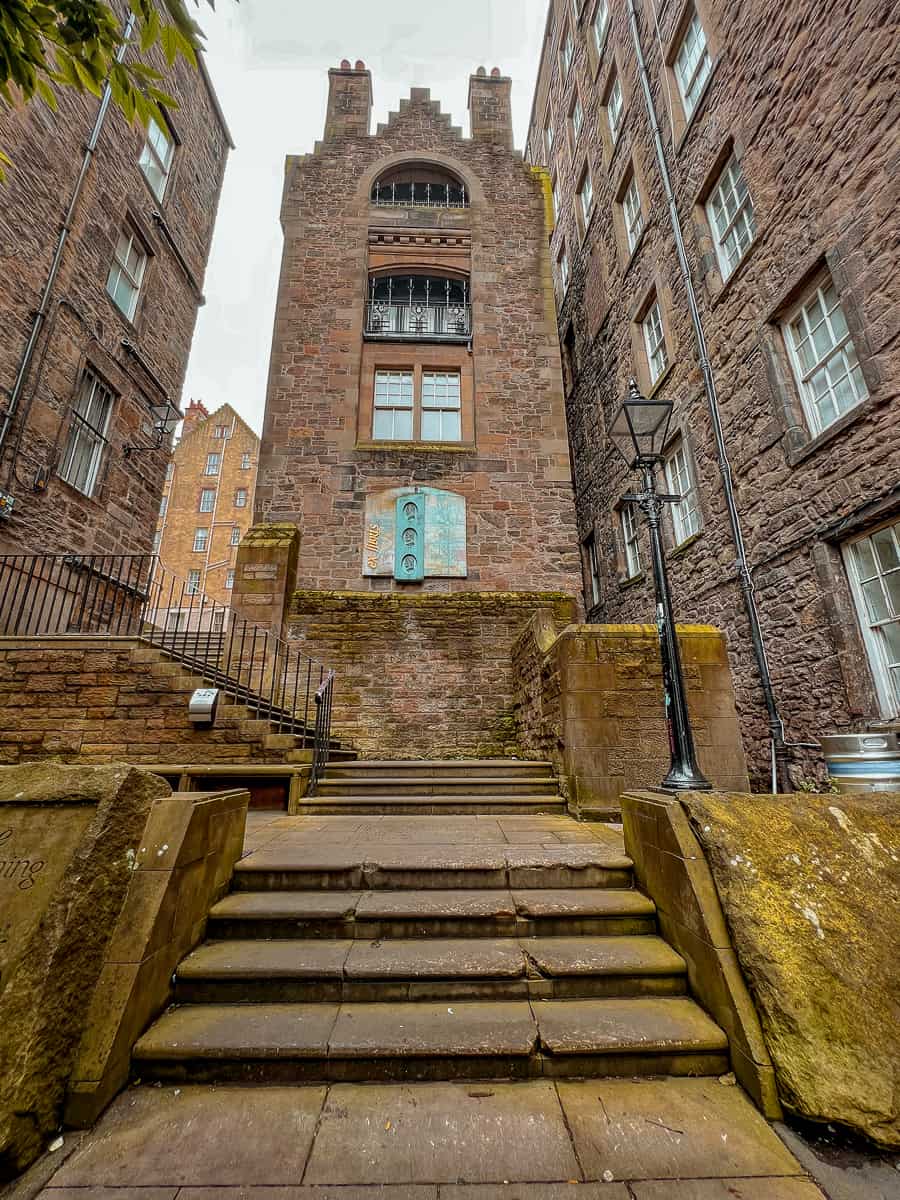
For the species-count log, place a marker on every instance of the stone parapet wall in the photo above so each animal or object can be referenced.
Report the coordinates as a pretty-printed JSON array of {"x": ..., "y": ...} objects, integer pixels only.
[
  {"x": 422, "y": 675},
  {"x": 93, "y": 699},
  {"x": 590, "y": 698}
]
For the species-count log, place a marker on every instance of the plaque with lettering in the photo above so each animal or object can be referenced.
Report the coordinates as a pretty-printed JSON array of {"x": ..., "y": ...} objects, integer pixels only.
[{"x": 439, "y": 531}]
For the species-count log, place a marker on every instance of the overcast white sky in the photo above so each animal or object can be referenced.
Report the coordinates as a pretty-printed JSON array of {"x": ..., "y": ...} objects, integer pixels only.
[{"x": 268, "y": 60}]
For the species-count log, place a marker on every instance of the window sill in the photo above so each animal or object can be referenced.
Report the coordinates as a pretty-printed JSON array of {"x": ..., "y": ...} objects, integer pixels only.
[
  {"x": 698, "y": 107},
  {"x": 799, "y": 454},
  {"x": 726, "y": 287},
  {"x": 632, "y": 581},
  {"x": 683, "y": 547},
  {"x": 420, "y": 447}
]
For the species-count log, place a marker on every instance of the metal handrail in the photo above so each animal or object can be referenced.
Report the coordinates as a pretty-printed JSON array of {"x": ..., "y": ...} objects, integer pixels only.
[
  {"x": 323, "y": 700},
  {"x": 136, "y": 596}
]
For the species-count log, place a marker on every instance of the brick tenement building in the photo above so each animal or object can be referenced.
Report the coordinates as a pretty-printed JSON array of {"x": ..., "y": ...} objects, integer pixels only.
[
  {"x": 115, "y": 329},
  {"x": 415, "y": 429},
  {"x": 207, "y": 502},
  {"x": 779, "y": 131}
]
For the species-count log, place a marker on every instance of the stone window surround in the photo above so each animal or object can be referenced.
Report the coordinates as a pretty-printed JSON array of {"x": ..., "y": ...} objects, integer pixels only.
[
  {"x": 624, "y": 576},
  {"x": 591, "y": 573},
  {"x": 657, "y": 291},
  {"x": 174, "y": 162},
  {"x": 681, "y": 122},
  {"x": 132, "y": 219},
  {"x": 575, "y": 106},
  {"x": 613, "y": 73},
  {"x": 416, "y": 358},
  {"x": 682, "y": 436},
  {"x": 799, "y": 442},
  {"x": 716, "y": 288},
  {"x": 583, "y": 219},
  {"x": 596, "y": 53},
  {"x": 630, "y": 170}
]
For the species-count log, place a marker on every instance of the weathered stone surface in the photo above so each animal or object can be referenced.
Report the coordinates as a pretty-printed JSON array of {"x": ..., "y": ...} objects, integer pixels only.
[
  {"x": 44, "y": 1001},
  {"x": 810, "y": 886}
]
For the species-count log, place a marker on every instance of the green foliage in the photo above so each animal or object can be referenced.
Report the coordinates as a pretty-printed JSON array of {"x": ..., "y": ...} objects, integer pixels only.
[{"x": 74, "y": 43}]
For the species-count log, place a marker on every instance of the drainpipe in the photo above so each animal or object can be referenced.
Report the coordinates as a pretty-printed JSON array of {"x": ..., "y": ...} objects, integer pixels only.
[
  {"x": 41, "y": 314},
  {"x": 776, "y": 724}
]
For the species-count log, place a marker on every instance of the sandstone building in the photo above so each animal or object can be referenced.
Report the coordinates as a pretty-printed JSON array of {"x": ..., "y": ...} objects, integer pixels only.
[
  {"x": 778, "y": 124},
  {"x": 207, "y": 501},
  {"x": 94, "y": 355},
  {"x": 415, "y": 429}
]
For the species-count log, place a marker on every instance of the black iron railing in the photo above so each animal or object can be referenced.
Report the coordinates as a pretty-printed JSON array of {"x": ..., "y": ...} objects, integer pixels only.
[
  {"x": 323, "y": 699},
  {"x": 135, "y": 596},
  {"x": 418, "y": 319},
  {"x": 420, "y": 195}
]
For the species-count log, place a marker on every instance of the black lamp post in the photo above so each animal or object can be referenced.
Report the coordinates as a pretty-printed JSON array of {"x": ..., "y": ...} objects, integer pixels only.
[{"x": 639, "y": 433}]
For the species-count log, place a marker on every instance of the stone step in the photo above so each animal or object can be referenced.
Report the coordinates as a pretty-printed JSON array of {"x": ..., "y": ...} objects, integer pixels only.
[
  {"x": 424, "y": 914},
  {"x": 309, "y": 971},
  {"x": 405, "y": 785},
  {"x": 470, "y": 1040},
  {"x": 413, "y": 805},
  {"x": 451, "y": 768},
  {"x": 281, "y": 867}
]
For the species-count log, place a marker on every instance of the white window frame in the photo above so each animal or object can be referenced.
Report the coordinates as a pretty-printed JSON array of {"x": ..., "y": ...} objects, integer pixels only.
[
  {"x": 163, "y": 506},
  {"x": 562, "y": 271},
  {"x": 170, "y": 470},
  {"x": 240, "y": 498},
  {"x": 229, "y": 579},
  {"x": 87, "y": 439},
  {"x": 576, "y": 116},
  {"x": 586, "y": 197},
  {"x": 566, "y": 54},
  {"x": 236, "y": 535},
  {"x": 157, "y": 541},
  {"x": 442, "y": 397},
  {"x": 201, "y": 539},
  {"x": 246, "y": 461},
  {"x": 213, "y": 464},
  {"x": 632, "y": 213},
  {"x": 631, "y": 543},
  {"x": 156, "y": 158},
  {"x": 126, "y": 273},
  {"x": 655, "y": 342},
  {"x": 394, "y": 403},
  {"x": 841, "y": 351},
  {"x": 194, "y": 578},
  {"x": 593, "y": 569},
  {"x": 207, "y": 500},
  {"x": 615, "y": 107},
  {"x": 557, "y": 203},
  {"x": 732, "y": 220},
  {"x": 220, "y": 431},
  {"x": 686, "y": 519},
  {"x": 548, "y": 135},
  {"x": 601, "y": 25},
  {"x": 881, "y": 661},
  {"x": 692, "y": 65}
]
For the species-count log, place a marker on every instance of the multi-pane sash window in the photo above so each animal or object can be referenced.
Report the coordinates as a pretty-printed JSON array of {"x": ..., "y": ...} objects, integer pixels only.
[
  {"x": 229, "y": 580},
  {"x": 207, "y": 500},
  {"x": 577, "y": 118},
  {"x": 824, "y": 358},
  {"x": 220, "y": 431},
  {"x": 655, "y": 342},
  {"x": 157, "y": 541},
  {"x": 548, "y": 135},
  {"x": 593, "y": 568},
  {"x": 193, "y": 585},
  {"x": 87, "y": 434},
  {"x": 586, "y": 196},
  {"x": 441, "y": 415},
  {"x": 630, "y": 542},
  {"x": 170, "y": 470},
  {"x": 245, "y": 461},
  {"x": 566, "y": 52},
  {"x": 614, "y": 106},
  {"x": 156, "y": 158},
  {"x": 201, "y": 537},
  {"x": 562, "y": 267},
  {"x": 126, "y": 273},
  {"x": 240, "y": 498},
  {"x": 692, "y": 65},
  {"x": 634, "y": 218},
  {"x": 235, "y": 536},
  {"x": 556, "y": 200},
  {"x": 731, "y": 217},
  {"x": 601, "y": 25},
  {"x": 393, "y": 406},
  {"x": 680, "y": 481},
  {"x": 212, "y": 464},
  {"x": 874, "y": 567}
]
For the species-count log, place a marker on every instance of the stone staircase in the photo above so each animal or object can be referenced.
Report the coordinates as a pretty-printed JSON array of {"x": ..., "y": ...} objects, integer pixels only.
[
  {"x": 354, "y": 949},
  {"x": 453, "y": 786}
]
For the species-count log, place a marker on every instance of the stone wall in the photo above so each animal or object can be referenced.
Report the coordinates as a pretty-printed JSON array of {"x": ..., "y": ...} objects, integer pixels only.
[
  {"x": 822, "y": 201},
  {"x": 84, "y": 328},
  {"x": 421, "y": 675},
  {"x": 104, "y": 699},
  {"x": 590, "y": 698}
]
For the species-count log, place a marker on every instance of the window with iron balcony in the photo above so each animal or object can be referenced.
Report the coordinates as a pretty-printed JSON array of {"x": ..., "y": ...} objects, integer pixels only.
[
  {"x": 431, "y": 308},
  {"x": 419, "y": 186}
]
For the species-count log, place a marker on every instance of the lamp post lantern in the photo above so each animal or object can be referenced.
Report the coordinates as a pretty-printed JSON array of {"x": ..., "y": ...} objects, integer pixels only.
[{"x": 639, "y": 433}]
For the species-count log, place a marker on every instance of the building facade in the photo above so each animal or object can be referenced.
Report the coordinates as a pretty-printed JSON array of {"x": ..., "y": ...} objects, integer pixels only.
[
  {"x": 207, "y": 502},
  {"x": 778, "y": 127},
  {"x": 94, "y": 354}
]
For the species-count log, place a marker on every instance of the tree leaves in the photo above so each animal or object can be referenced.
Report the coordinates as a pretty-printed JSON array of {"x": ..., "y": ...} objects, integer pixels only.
[{"x": 75, "y": 43}]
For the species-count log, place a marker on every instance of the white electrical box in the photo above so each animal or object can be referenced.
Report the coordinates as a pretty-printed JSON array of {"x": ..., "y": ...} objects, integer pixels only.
[{"x": 203, "y": 705}]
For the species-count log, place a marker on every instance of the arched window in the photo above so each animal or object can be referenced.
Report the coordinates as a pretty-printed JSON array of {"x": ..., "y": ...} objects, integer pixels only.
[
  {"x": 418, "y": 307},
  {"x": 418, "y": 185}
]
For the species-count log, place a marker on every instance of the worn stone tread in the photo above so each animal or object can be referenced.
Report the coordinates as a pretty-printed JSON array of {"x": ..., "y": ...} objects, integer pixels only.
[
  {"x": 468, "y": 1029},
  {"x": 307, "y": 958},
  {"x": 431, "y": 904},
  {"x": 670, "y": 1025},
  {"x": 643, "y": 954},
  {"x": 581, "y": 902},
  {"x": 436, "y": 958},
  {"x": 287, "y": 905},
  {"x": 239, "y": 1030}
]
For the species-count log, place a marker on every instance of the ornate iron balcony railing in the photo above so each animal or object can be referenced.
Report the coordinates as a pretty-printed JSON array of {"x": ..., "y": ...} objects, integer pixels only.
[
  {"x": 419, "y": 195},
  {"x": 419, "y": 320}
]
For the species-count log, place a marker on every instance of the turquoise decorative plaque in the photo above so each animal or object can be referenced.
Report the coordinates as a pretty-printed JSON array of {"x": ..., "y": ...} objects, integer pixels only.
[{"x": 413, "y": 533}]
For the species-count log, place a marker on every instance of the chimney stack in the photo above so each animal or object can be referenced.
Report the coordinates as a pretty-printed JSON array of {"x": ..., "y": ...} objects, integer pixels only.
[
  {"x": 193, "y": 415},
  {"x": 349, "y": 101},
  {"x": 490, "y": 107}
]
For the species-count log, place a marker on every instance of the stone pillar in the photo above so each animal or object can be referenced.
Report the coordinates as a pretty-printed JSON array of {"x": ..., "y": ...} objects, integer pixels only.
[
  {"x": 349, "y": 111},
  {"x": 265, "y": 574},
  {"x": 490, "y": 107}
]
